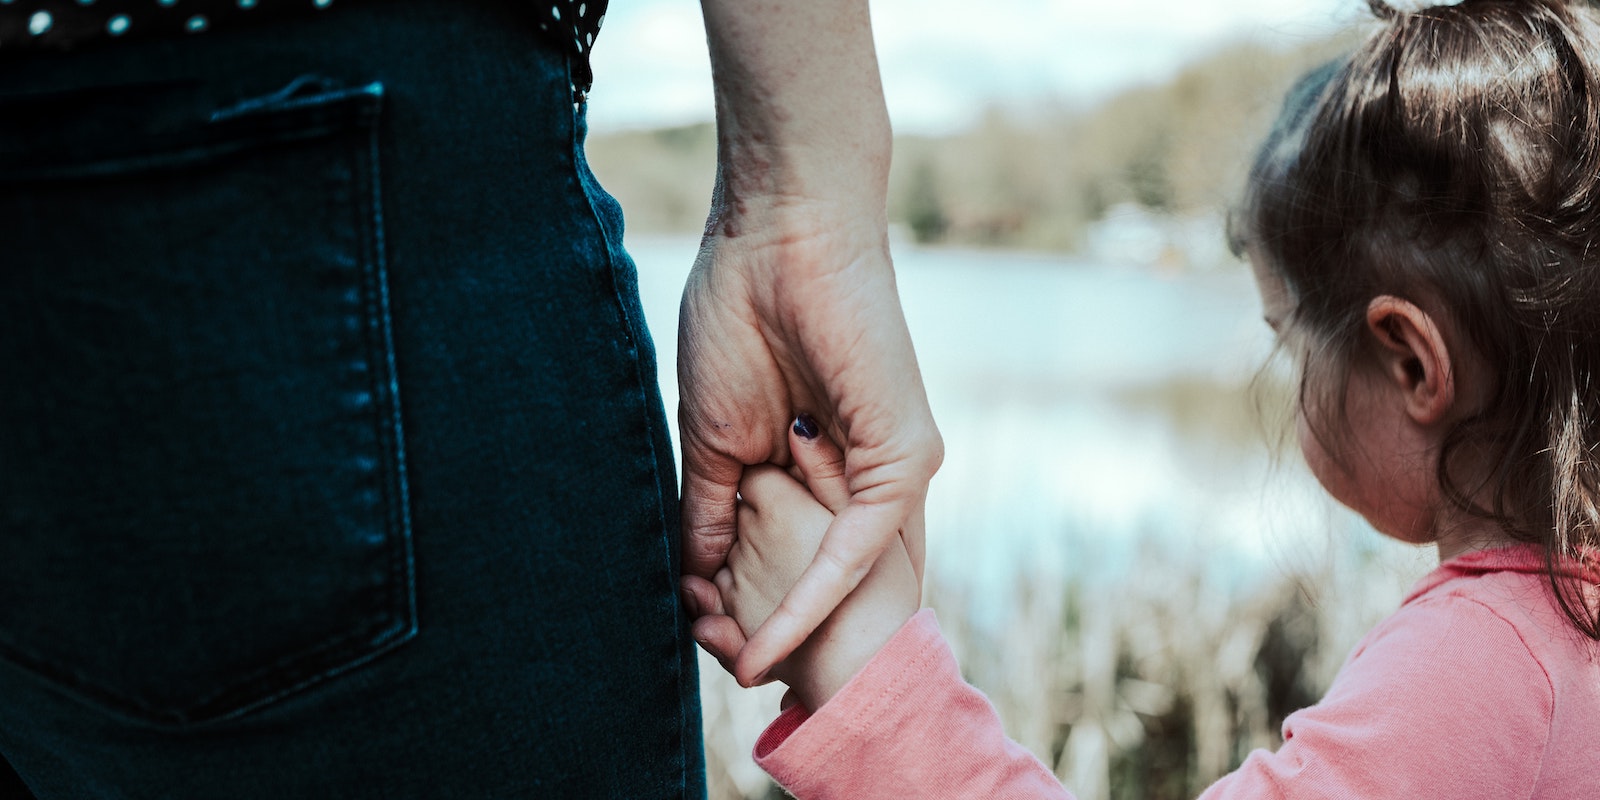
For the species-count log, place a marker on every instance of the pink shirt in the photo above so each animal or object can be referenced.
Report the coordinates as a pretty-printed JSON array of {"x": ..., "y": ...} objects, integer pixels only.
[{"x": 1477, "y": 687}]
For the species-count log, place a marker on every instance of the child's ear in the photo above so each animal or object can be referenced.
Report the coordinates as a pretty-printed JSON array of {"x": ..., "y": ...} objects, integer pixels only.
[{"x": 1414, "y": 357}]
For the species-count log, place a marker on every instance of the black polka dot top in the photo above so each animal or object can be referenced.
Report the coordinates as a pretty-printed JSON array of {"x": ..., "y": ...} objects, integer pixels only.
[{"x": 66, "y": 24}]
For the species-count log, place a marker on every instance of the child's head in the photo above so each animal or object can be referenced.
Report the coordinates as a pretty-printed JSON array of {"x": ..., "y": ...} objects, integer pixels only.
[{"x": 1453, "y": 163}]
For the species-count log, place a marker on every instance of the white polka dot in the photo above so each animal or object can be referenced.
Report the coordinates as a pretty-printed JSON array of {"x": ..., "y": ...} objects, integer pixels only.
[
  {"x": 600, "y": 21},
  {"x": 322, "y": 3},
  {"x": 555, "y": 12},
  {"x": 118, "y": 24},
  {"x": 39, "y": 22},
  {"x": 196, "y": 23},
  {"x": 583, "y": 8},
  {"x": 590, "y": 37},
  {"x": 247, "y": 4},
  {"x": 579, "y": 44}
]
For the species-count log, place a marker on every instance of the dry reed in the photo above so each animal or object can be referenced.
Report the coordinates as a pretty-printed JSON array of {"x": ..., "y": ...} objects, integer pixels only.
[{"x": 1150, "y": 686}]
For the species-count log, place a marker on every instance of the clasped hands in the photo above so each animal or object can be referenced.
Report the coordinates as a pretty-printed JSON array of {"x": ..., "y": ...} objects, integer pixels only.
[
  {"x": 797, "y": 317},
  {"x": 783, "y": 515}
]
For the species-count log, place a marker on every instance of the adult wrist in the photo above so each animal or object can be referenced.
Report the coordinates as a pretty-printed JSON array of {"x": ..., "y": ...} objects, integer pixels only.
[
  {"x": 800, "y": 108},
  {"x": 801, "y": 158}
]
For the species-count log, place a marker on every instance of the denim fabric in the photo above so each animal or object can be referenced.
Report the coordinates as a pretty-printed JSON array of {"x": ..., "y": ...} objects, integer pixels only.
[
  {"x": 331, "y": 458},
  {"x": 40, "y": 25}
]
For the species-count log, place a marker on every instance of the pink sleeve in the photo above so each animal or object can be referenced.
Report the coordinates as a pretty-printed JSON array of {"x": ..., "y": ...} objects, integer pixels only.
[
  {"x": 1443, "y": 699},
  {"x": 907, "y": 725}
]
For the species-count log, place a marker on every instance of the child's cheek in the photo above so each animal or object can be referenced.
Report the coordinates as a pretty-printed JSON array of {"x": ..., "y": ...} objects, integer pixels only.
[{"x": 1317, "y": 458}]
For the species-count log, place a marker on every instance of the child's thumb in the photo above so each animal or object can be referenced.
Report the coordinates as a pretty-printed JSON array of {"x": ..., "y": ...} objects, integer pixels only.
[{"x": 820, "y": 462}]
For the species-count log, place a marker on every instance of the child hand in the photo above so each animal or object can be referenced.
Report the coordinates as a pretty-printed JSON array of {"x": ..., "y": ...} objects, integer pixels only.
[{"x": 781, "y": 523}]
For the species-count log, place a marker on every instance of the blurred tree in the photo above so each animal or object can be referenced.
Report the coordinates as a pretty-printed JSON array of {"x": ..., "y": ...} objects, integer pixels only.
[
  {"x": 1146, "y": 174},
  {"x": 1035, "y": 181},
  {"x": 924, "y": 209}
]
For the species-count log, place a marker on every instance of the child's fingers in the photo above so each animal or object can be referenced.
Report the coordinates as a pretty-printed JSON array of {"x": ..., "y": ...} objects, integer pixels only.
[
  {"x": 761, "y": 482},
  {"x": 820, "y": 463},
  {"x": 850, "y": 546},
  {"x": 700, "y": 596},
  {"x": 723, "y": 581}
]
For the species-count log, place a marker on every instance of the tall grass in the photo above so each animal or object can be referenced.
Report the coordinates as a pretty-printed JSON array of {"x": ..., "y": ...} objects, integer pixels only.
[{"x": 1144, "y": 683}]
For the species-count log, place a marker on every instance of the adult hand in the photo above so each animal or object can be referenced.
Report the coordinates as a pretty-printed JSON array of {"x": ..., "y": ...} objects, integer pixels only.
[
  {"x": 782, "y": 519},
  {"x": 791, "y": 306},
  {"x": 800, "y": 312}
]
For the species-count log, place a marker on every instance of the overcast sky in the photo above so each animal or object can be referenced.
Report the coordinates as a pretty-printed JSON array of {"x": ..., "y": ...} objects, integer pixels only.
[{"x": 942, "y": 64}]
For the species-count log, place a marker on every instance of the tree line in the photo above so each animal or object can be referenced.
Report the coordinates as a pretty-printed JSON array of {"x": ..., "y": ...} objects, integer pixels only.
[{"x": 1034, "y": 179}]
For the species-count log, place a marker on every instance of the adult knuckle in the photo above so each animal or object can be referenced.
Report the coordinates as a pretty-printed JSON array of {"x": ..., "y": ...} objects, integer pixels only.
[
  {"x": 705, "y": 552},
  {"x": 930, "y": 451},
  {"x": 849, "y": 566},
  {"x": 714, "y": 532}
]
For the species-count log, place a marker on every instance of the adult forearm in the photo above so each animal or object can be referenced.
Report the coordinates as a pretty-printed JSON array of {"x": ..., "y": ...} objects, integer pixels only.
[{"x": 800, "y": 110}]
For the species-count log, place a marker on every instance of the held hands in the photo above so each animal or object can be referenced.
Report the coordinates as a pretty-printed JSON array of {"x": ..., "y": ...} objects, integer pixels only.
[
  {"x": 781, "y": 524},
  {"x": 792, "y": 305}
]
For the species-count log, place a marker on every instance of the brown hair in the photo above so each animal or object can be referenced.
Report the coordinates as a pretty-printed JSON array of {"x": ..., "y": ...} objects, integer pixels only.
[{"x": 1455, "y": 158}]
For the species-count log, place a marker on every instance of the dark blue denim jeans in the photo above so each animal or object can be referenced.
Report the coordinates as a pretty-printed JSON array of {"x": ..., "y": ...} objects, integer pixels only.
[{"x": 332, "y": 463}]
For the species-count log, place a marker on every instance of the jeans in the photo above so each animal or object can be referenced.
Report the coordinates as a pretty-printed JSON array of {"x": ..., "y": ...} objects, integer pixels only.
[{"x": 332, "y": 463}]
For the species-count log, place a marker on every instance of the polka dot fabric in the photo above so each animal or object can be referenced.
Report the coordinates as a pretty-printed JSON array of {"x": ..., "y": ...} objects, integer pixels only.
[
  {"x": 32, "y": 25},
  {"x": 573, "y": 27}
]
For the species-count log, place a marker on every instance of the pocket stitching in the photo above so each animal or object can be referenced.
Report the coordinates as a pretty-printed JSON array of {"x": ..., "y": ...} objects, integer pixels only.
[{"x": 385, "y": 627}]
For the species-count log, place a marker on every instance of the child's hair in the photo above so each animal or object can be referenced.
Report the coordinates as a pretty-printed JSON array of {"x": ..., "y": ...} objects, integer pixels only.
[{"x": 1454, "y": 159}]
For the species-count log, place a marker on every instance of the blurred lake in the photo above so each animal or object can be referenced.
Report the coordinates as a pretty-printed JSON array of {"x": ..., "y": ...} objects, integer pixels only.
[{"x": 1089, "y": 410}]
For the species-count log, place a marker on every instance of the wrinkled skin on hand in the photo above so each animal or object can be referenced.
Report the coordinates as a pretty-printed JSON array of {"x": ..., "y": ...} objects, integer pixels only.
[{"x": 792, "y": 307}]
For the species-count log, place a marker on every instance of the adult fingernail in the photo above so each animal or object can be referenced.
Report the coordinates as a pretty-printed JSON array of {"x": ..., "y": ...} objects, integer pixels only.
[
  {"x": 805, "y": 427},
  {"x": 690, "y": 604}
]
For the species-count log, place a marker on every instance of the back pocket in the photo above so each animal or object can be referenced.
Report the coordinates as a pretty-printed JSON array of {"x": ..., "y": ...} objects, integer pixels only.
[{"x": 202, "y": 482}]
